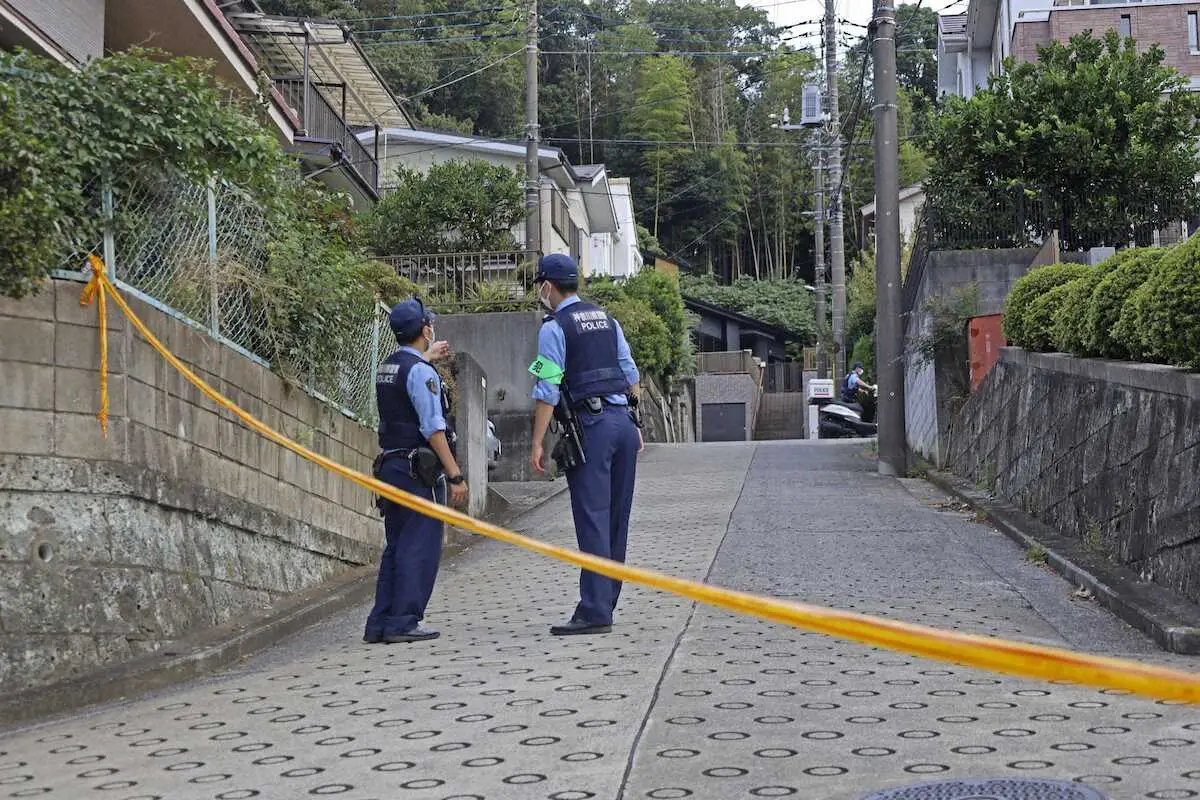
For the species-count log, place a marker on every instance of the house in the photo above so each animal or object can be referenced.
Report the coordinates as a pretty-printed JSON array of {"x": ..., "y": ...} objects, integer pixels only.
[
  {"x": 616, "y": 255},
  {"x": 576, "y": 202},
  {"x": 912, "y": 198},
  {"x": 1173, "y": 25},
  {"x": 322, "y": 88},
  {"x": 721, "y": 330},
  {"x": 973, "y": 46}
]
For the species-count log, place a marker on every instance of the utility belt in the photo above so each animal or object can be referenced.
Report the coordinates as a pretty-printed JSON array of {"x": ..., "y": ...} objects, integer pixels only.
[{"x": 424, "y": 466}]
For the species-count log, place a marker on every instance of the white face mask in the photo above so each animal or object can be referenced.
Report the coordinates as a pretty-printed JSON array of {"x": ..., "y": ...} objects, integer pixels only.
[{"x": 544, "y": 296}]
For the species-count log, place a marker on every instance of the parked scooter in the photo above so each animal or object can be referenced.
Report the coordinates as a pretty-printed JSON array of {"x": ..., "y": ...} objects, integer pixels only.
[
  {"x": 838, "y": 421},
  {"x": 841, "y": 420}
]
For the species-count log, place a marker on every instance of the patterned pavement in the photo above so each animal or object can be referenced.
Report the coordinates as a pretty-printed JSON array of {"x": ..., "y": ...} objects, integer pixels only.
[{"x": 680, "y": 701}]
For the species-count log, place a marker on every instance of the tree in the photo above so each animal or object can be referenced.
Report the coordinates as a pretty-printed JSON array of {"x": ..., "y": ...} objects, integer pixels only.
[
  {"x": 68, "y": 133},
  {"x": 1103, "y": 135},
  {"x": 458, "y": 206}
]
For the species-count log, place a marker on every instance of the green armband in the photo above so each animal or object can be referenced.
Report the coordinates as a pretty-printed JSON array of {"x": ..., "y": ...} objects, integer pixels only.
[{"x": 546, "y": 370}]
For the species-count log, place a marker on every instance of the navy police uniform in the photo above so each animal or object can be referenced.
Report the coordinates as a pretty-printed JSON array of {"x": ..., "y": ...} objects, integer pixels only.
[
  {"x": 412, "y": 407},
  {"x": 590, "y": 349}
]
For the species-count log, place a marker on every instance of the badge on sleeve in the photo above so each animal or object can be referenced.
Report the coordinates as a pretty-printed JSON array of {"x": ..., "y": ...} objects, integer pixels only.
[
  {"x": 546, "y": 370},
  {"x": 432, "y": 385}
]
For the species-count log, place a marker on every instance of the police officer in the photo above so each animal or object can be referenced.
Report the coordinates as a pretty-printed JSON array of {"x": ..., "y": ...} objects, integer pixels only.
[
  {"x": 582, "y": 347},
  {"x": 852, "y": 384},
  {"x": 412, "y": 423}
]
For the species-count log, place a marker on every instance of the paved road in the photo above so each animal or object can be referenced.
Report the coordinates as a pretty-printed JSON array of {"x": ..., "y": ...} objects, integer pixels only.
[{"x": 680, "y": 701}]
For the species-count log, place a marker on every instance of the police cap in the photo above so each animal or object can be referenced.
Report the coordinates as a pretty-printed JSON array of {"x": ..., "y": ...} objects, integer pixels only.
[
  {"x": 557, "y": 268},
  {"x": 408, "y": 318}
]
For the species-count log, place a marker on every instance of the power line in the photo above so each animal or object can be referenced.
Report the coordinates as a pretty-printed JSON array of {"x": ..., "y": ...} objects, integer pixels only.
[{"x": 498, "y": 61}]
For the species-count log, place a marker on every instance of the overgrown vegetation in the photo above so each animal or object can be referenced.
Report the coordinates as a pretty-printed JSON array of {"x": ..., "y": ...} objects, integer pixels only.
[
  {"x": 943, "y": 341},
  {"x": 140, "y": 120},
  {"x": 1143, "y": 304},
  {"x": 68, "y": 133},
  {"x": 784, "y": 303},
  {"x": 650, "y": 309}
]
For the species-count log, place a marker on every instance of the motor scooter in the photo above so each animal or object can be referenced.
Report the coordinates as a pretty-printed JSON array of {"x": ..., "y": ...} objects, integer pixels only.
[{"x": 839, "y": 420}]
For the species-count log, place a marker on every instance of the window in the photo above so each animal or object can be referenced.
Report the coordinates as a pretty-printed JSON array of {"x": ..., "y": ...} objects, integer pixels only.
[
  {"x": 560, "y": 217},
  {"x": 1193, "y": 25},
  {"x": 1125, "y": 28}
]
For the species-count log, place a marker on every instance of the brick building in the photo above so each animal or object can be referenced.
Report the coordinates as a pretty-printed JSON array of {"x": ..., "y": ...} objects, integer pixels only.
[
  {"x": 972, "y": 46},
  {"x": 1173, "y": 24}
]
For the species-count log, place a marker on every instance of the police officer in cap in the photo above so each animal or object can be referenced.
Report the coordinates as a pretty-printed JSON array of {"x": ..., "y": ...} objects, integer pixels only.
[
  {"x": 582, "y": 348},
  {"x": 412, "y": 424}
]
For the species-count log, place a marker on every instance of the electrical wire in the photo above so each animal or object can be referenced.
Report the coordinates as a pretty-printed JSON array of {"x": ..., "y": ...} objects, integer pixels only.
[{"x": 484, "y": 68}]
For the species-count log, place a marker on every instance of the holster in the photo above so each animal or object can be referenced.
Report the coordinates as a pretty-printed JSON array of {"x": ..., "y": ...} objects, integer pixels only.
[{"x": 425, "y": 466}]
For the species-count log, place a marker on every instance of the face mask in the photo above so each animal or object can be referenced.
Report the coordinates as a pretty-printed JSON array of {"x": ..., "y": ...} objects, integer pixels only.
[{"x": 544, "y": 296}]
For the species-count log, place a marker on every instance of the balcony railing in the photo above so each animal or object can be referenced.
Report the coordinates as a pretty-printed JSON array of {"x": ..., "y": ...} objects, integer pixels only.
[
  {"x": 495, "y": 280},
  {"x": 322, "y": 122}
]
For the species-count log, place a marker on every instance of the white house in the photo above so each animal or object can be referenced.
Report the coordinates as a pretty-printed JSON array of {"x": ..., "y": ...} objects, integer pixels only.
[
  {"x": 912, "y": 198},
  {"x": 616, "y": 255},
  {"x": 972, "y": 46},
  {"x": 577, "y": 202}
]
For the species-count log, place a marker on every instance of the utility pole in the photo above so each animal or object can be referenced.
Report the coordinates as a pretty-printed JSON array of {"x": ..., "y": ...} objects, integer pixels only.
[
  {"x": 837, "y": 240},
  {"x": 819, "y": 257},
  {"x": 889, "y": 344},
  {"x": 533, "y": 223}
]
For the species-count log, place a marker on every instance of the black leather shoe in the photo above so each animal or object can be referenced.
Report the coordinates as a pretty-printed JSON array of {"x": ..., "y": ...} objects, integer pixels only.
[
  {"x": 578, "y": 627},
  {"x": 417, "y": 634},
  {"x": 373, "y": 638}
]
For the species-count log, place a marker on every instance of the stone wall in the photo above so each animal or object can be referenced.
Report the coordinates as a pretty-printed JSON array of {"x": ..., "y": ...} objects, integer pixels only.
[
  {"x": 1102, "y": 450},
  {"x": 927, "y": 397},
  {"x": 181, "y": 518}
]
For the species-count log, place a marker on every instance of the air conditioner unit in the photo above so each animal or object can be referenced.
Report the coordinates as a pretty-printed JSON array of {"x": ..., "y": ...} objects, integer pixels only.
[{"x": 811, "y": 113}]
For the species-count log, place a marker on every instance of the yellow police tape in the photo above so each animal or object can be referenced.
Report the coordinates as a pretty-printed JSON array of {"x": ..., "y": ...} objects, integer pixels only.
[{"x": 998, "y": 655}]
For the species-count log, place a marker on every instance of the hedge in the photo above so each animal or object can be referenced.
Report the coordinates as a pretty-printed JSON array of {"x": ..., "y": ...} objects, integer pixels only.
[
  {"x": 1124, "y": 274},
  {"x": 1041, "y": 316},
  {"x": 1069, "y": 335},
  {"x": 1143, "y": 304},
  {"x": 1028, "y": 289},
  {"x": 1162, "y": 316}
]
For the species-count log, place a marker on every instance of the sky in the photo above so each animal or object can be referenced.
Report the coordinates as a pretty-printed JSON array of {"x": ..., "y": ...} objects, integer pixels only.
[{"x": 789, "y": 12}]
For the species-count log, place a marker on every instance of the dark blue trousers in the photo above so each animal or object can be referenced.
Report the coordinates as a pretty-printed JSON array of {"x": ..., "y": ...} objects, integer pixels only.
[
  {"x": 601, "y": 500},
  {"x": 409, "y": 566}
]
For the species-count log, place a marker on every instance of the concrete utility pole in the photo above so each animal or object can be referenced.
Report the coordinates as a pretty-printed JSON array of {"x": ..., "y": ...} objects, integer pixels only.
[
  {"x": 837, "y": 240},
  {"x": 533, "y": 222},
  {"x": 819, "y": 257},
  {"x": 889, "y": 330}
]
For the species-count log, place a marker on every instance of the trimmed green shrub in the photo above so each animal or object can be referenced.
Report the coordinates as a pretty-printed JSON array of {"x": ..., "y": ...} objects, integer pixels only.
[
  {"x": 1111, "y": 294},
  {"x": 1026, "y": 290},
  {"x": 1042, "y": 314},
  {"x": 1069, "y": 335},
  {"x": 1164, "y": 312}
]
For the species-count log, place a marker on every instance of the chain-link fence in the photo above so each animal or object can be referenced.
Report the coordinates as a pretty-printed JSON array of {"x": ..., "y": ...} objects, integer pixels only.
[{"x": 201, "y": 253}]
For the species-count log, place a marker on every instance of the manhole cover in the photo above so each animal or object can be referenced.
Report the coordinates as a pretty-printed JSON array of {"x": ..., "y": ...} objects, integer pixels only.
[{"x": 995, "y": 789}]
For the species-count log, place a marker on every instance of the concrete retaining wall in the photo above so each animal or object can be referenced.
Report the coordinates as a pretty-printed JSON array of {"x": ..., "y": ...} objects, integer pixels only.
[
  {"x": 927, "y": 399},
  {"x": 1105, "y": 451},
  {"x": 504, "y": 345},
  {"x": 181, "y": 519}
]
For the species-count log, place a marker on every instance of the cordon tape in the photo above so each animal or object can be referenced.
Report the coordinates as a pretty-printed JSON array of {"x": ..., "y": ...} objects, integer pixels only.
[{"x": 996, "y": 655}]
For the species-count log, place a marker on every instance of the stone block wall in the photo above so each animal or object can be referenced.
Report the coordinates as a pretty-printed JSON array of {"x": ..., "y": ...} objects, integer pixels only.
[
  {"x": 737, "y": 387},
  {"x": 181, "y": 518},
  {"x": 1106, "y": 451}
]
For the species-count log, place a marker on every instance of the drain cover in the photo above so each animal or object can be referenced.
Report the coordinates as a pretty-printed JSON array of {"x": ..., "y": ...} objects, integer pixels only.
[{"x": 995, "y": 789}]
